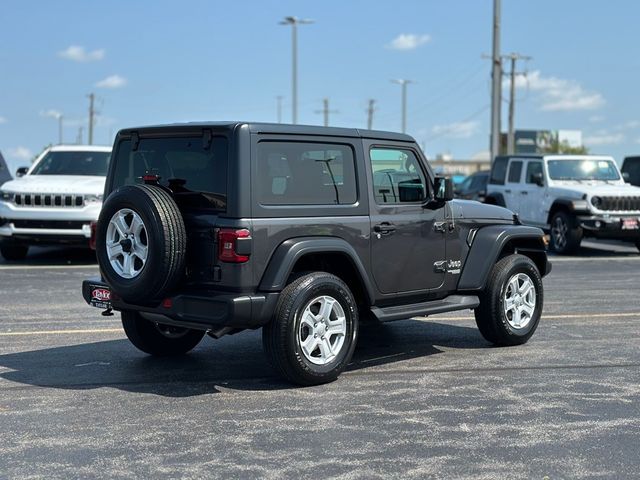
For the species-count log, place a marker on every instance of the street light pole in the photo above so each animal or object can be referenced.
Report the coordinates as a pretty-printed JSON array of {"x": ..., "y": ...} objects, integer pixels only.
[
  {"x": 60, "y": 128},
  {"x": 403, "y": 83},
  {"x": 294, "y": 22}
]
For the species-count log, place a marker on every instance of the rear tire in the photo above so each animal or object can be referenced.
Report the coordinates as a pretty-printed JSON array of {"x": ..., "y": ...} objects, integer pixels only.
[
  {"x": 638, "y": 245},
  {"x": 14, "y": 252},
  {"x": 313, "y": 333},
  {"x": 566, "y": 235},
  {"x": 159, "y": 339},
  {"x": 511, "y": 305}
]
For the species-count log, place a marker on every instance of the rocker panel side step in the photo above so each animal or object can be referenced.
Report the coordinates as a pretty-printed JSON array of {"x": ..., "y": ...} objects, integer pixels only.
[{"x": 448, "y": 304}]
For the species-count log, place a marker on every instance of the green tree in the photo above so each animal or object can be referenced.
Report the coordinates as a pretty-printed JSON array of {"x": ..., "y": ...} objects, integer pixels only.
[{"x": 563, "y": 147}]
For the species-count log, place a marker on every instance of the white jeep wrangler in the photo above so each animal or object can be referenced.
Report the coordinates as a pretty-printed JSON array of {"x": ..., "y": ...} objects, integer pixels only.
[
  {"x": 570, "y": 196},
  {"x": 55, "y": 201}
]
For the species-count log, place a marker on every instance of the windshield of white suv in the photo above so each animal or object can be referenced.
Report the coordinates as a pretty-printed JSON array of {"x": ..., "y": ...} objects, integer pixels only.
[
  {"x": 582, "y": 170},
  {"x": 73, "y": 163}
]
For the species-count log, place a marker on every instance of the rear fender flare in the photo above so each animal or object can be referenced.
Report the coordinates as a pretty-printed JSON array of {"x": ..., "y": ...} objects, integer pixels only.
[{"x": 290, "y": 251}]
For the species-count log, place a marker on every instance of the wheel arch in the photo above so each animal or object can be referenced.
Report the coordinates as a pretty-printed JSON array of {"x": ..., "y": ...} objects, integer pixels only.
[
  {"x": 570, "y": 206},
  {"x": 330, "y": 254},
  {"x": 495, "y": 242}
]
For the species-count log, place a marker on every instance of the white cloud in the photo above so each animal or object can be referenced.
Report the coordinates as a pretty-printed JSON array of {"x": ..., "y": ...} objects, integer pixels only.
[
  {"x": 3, "y": 120},
  {"x": 604, "y": 138},
  {"x": 112, "y": 81},
  {"x": 19, "y": 153},
  {"x": 51, "y": 113},
  {"x": 558, "y": 94},
  {"x": 77, "y": 53},
  {"x": 596, "y": 118},
  {"x": 456, "y": 129},
  {"x": 408, "y": 41}
]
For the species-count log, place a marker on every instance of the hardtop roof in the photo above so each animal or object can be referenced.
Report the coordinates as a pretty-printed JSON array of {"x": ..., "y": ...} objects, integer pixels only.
[{"x": 274, "y": 128}]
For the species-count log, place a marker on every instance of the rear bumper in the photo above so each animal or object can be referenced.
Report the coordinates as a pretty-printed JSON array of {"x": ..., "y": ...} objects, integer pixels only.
[
  {"x": 201, "y": 311},
  {"x": 609, "y": 227}
]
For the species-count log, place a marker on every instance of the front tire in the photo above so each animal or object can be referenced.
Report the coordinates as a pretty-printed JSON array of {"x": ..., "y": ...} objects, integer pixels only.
[
  {"x": 14, "y": 252},
  {"x": 511, "y": 304},
  {"x": 566, "y": 235},
  {"x": 311, "y": 338},
  {"x": 159, "y": 339}
]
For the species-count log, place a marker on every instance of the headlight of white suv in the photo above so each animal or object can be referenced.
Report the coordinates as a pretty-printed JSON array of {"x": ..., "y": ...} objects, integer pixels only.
[
  {"x": 7, "y": 196},
  {"x": 596, "y": 202},
  {"x": 92, "y": 199}
]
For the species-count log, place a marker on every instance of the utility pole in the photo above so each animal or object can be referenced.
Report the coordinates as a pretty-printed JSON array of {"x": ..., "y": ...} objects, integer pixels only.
[
  {"x": 279, "y": 100},
  {"x": 294, "y": 22},
  {"x": 370, "y": 110},
  {"x": 326, "y": 111},
  {"x": 60, "y": 128},
  {"x": 513, "y": 57},
  {"x": 403, "y": 82},
  {"x": 496, "y": 80},
  {"x": 92, "y": 115},
  {"x": 79, "y": 136}
]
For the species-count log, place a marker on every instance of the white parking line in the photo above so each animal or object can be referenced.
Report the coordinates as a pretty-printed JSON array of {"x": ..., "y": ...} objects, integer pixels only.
[{"x": 45, "y": 267}]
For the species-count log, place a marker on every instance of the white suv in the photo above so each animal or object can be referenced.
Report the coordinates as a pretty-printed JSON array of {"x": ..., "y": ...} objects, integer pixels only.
[
  {"x": 570, "y": 196},
  {"x": 55, "y": 201}
]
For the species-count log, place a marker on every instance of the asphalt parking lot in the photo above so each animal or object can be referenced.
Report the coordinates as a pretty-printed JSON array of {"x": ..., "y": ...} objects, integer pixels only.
[{"x": 423, "y": 398}]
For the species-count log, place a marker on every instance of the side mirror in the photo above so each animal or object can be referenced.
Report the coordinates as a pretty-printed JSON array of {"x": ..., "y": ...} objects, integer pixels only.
[
  {"x": 443, "y": 188},
  {"x": 538, "y": 179},
  {"x": 626, "y": 176},
  {"x": 22, "y": 171}
]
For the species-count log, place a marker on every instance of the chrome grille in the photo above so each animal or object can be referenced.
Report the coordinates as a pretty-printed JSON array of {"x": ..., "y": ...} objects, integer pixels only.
[
  {"x": 53, "y": 200},
  {"x": 620, "y": 204}
]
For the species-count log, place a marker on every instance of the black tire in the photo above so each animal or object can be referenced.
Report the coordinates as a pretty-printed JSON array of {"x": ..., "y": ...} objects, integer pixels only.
[
  {"x": 14, "y": 252},
  {"x": 282, "y": 337},
  {"x": 494, "y": 324},
  {"x": 159, "y": 339},
  {"x": 638, "y": 245},
  {"x": 166, "y": 242},
  {"x": 566, "y": 234}
]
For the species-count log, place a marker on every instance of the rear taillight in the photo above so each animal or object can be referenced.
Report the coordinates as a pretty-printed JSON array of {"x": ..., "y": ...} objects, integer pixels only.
[
  {"x": 234, "y": 246},
  {"x": 92, "y": 239}
]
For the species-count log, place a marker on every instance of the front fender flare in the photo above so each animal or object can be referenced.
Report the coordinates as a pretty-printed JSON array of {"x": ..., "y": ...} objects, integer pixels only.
[
  {"x": 290, "y": 251},
  {"x": 487, "y": 245}
]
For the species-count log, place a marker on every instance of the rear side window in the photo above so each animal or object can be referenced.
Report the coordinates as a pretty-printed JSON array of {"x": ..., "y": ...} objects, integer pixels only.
[
  {"x": 300, "y": 173},
  {"x": 515, "y": 170},
  {"x": 499, "y": 170},
  {"x": 194, "y": 171}
]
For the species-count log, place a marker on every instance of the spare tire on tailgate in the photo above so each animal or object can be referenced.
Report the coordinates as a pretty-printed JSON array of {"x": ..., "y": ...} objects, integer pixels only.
[{"x": 140, "y": 243}]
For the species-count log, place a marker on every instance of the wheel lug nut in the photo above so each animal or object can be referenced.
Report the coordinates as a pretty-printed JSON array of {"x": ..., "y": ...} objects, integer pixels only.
[
  {"x": 315, "y": 325},
  {"x": 322, "y": 337},
  {"x": 315, "y": 335}
]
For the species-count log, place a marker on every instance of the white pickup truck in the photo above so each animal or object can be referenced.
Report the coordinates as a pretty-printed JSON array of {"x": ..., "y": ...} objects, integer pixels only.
[
  {"x": 55, "y": 201},
  {"x": 570, "y": 196}
]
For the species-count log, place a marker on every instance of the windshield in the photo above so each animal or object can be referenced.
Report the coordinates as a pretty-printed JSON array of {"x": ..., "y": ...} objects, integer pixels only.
[
  {"x": 582, "y": 170},
  {"x": 73, "y": 163}
]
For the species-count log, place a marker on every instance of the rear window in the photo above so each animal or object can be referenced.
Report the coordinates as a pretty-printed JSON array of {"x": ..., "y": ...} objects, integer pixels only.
[
  {"x": 499, "y": 170},
  {"x": 298, "y": 173},
  {"x": 194, "y": 171}
]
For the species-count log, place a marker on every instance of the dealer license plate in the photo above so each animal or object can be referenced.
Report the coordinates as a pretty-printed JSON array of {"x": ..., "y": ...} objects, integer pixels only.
[
  {"x": 629, "y": 224},
  {"x": 100, "y": 296}
]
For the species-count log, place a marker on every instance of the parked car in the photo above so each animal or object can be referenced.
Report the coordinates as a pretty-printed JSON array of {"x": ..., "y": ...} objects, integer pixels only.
[
  {"x": 571, "y": 196},
  {"x": 53, "y": 202},
  {"x": 5, "y": 175},
  {"x": 474, "y": 187},
  {"x": 631, "y": 170},
  {"x": 304, "y": 231}
]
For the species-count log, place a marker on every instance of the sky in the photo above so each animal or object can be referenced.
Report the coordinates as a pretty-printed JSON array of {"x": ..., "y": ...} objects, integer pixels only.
[{"x": 152, "y": 62}]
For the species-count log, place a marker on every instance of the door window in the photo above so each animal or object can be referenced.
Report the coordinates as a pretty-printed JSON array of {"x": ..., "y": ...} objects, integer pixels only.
[
  {"x": 397, "y": 176},
  {"x": 515, "y": 170},
  {"x": 534, "y": 169}
]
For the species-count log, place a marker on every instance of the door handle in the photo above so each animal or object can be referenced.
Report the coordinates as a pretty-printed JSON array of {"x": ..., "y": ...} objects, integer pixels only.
[
  {"x": 384, "y": 228},
  {"x": 524, "y": 193},
  {"x": 440, "y": 227},
  {"x": 507, "y": 191}
]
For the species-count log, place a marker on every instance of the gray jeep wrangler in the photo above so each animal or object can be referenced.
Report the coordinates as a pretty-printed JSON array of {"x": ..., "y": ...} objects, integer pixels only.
[{"x": 306, "y": 232}]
